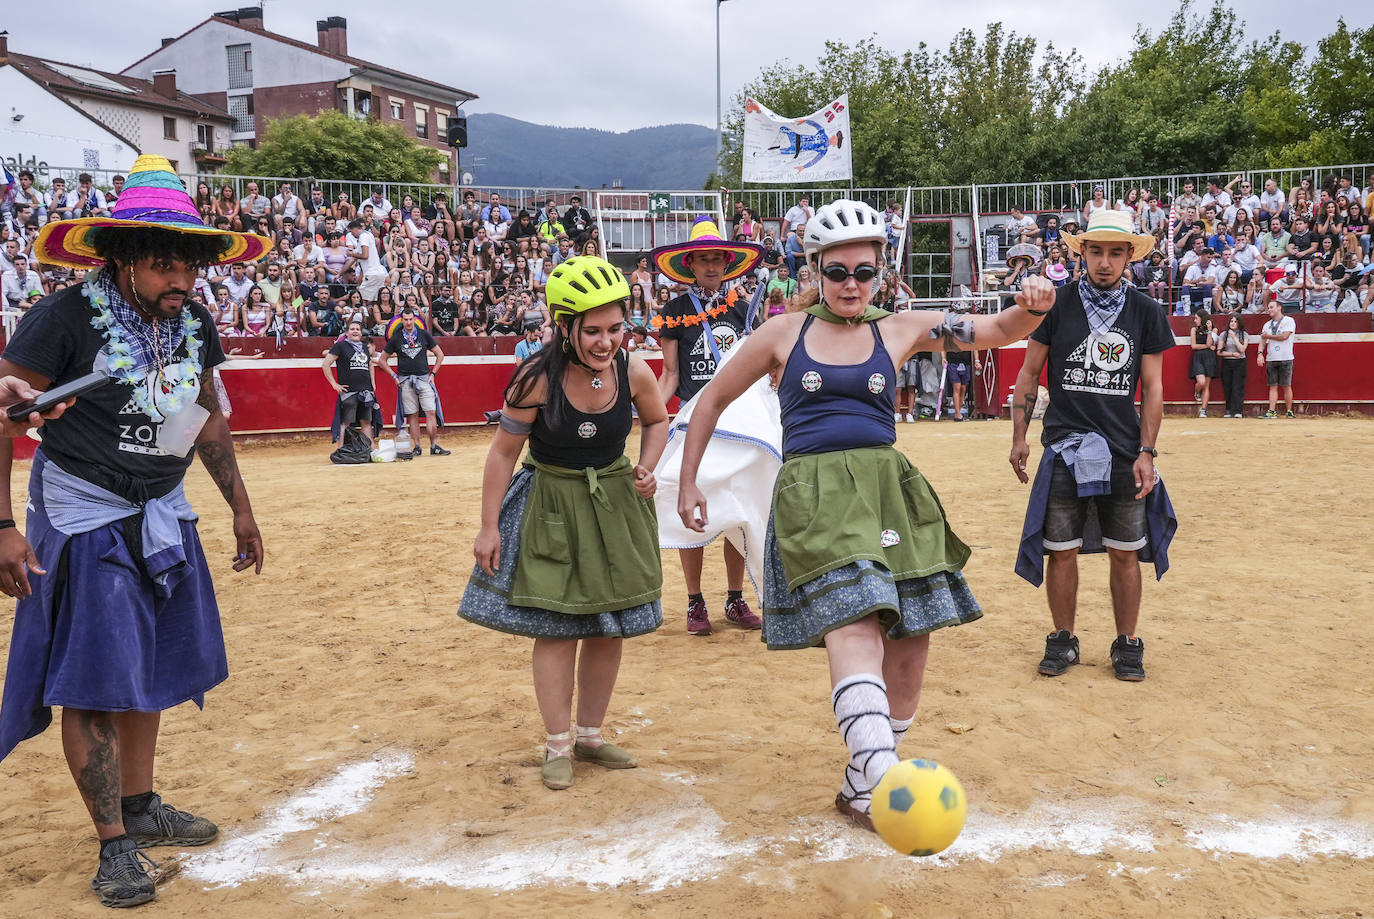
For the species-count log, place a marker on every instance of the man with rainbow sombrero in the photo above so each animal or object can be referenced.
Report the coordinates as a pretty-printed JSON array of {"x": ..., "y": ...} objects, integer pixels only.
[
  {"x": 117, "y": 618},
  {"x": 706, "y": 263}
]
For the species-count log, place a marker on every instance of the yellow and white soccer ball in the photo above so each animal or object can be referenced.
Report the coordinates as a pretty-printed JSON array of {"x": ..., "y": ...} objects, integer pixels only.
[{"x": 919, "y": 807}]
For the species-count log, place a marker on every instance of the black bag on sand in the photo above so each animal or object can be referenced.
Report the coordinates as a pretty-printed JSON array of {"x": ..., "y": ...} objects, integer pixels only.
[{"x": 354, "y": 449}]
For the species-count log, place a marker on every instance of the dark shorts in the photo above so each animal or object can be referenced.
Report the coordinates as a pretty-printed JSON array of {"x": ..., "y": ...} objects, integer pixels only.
[
  {"x": 960, "y": 373},
  {"x": 355, "y": 409},
  {"x": 1120, "y": 515},
  {"x": 1279, "y": 373}
]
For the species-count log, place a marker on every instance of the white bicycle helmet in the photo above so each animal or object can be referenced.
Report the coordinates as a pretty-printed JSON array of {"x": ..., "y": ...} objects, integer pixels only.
[{"x": 842, "y": 221}]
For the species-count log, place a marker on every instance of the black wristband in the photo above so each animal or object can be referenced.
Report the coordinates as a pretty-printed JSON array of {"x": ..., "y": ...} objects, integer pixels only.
[
  {"x": 7, "y": 524},
  {"x": 1041, "y": 313}
]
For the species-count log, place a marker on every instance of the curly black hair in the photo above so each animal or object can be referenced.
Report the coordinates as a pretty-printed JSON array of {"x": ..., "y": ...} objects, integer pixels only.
[{"x": 128, "y": 245}]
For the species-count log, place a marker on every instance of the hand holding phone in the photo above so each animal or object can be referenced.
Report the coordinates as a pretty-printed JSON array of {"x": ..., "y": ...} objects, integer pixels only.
[{"x": 46, "y": 402}]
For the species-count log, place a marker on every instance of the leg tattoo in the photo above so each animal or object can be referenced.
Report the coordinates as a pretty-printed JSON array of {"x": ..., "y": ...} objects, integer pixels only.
[{"x": 98, "y": 777}]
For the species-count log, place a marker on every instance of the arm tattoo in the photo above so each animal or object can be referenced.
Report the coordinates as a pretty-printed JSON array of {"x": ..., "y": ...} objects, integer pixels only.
[
  {"x": 1027, "y": 408},
  {"x": 206, "y": 398},
  {"x": 219, "y": 462},
  {"x": 98, "y": 777},
  {"x": 957, "y": 334}
]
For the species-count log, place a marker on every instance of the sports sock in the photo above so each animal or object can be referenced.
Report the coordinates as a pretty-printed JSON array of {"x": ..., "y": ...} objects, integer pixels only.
[
  {"x": 590, "y": 737},
  {"x": 114, "y": 845},
  {"x": 695, "y": 598},
  {"x": 136, "y": 804},
  {"x": 899, "y": 729},
  {"x": 861, "y": 711},
  {"x": 734, "y": 595},
  {"x": 556, "y": 745}
]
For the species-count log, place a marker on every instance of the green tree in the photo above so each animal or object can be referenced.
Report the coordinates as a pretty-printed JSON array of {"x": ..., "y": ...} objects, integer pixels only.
[
  {"x": 1328, "y": 108},
  {"x": 333, "y": 145}
]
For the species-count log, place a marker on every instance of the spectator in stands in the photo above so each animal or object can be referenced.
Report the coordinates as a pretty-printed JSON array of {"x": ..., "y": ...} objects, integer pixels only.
[
  {"x": 362, "y": 248},
  {"x": 256, "y": 313},
  {"x": 313, "y": 210},
  {"x": 1188, "y": 229},
  {"x": 338, "y": 265},
  {"x": 238, "y": 283},
  {"x": 1356, "y": 234},
  {"x": 8, "y": 253},
  {"x": 496, "y": 217},
  {"x": 1276, "y": 357},
  {"x": 285, "y": 203},
  {"x": 1288, "y": 290},
  {"x": 1098, "y": 202},
  {"x": 1273, "y": 245},
  {"x": 271, "y": 283},
  {"x": 1021, "y": 228},
  {"x": 795, "y": 219},
  {"x": 1231, "y": 295},
  {"x": 793, "y": 252},
  {"x": 1198, "y": 283},
  {"x": 524, "y": 233},
  {"x": 416, "y": 227},
  {"x": 1221, "y": 238},
  {"x": 784, "y": 283},
  {"x": 1245, "y": 198},
  {"x": 749, "y": 225},
  {"x": 1157, "y": 277},
  {"x": 1188, "y": 199},
  {"x": 19, "y": 283},
  {"x": 444, "y": 312},
  {"x": 380, "y": 205},
  {"x": 1220, "y": 198},
  {"x": 530, "y": 345},
  {"x": 306, "y": 257},
  {"x": 1330, "y": 223},
  {"x": 316, "y": 320},
  {"x": 1302, "y": 243},
  {"x": 551, "y": 228},
  {"x": 1321, "y": 291},
  {"x": 288, "y": 312},
  {"x": 591, "y": 247},
  {"x": 25, "y": 193},
  {"x": 85, "y": 200},
  {"x": 57, "y": 200},
  {"x": 252, "y": 206},
  {"x": 1272, "y": 203}
]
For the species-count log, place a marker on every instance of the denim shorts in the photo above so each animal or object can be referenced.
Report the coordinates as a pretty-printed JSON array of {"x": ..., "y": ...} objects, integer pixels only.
[
  {"x": 960, "y": 373},
  {"x": 1120, "y": 515},
  {"x": 1279, "y": 373}
]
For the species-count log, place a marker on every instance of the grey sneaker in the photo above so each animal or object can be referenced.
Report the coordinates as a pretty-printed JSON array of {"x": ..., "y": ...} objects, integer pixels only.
[
  {"x": 1061, "y": 653},
  {"x": 122, "y": 878},
  {"x": 164, "y": 825}
]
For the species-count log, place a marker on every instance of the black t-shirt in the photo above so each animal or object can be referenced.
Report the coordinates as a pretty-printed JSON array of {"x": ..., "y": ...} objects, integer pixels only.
[
  {"x": 960, "y": 357},
  {"x": 352, "y": 365},
  {"x": 1301, "y": 241},
  {"x": 103, "y": 437},
  {"x": 412, "y": 359},
  {"x": 1093, "y": 384},
  {"x": 696, "y": 364},
  {"x": 444, "y": 311}
]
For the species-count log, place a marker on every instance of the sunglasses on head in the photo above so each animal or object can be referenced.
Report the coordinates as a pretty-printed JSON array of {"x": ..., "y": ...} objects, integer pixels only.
[{"x": 838, "y": 274}]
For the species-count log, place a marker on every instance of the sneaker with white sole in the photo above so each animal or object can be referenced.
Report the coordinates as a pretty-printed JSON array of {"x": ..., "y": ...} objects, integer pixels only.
[
  {"x": 737, "y": 612},
  {"x": 910, "y": 419}
]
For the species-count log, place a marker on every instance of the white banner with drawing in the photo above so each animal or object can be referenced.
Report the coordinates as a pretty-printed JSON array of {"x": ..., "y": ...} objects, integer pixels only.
[{"x": 814, "y": 148}]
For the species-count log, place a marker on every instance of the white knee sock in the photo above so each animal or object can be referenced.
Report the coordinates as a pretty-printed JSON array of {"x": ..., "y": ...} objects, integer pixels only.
[
  {"x": 862, "y": 712},
  {"x": 899, "y": 729}
]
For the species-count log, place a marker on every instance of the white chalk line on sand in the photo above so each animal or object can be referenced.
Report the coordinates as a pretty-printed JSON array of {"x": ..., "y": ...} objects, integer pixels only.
[{"x": 663, "y": 847}]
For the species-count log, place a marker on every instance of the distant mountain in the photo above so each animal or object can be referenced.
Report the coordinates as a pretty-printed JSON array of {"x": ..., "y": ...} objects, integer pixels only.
[{"x": 507, "y": 151}]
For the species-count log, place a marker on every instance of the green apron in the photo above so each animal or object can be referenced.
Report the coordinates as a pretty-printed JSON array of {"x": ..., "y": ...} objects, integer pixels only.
[
  {"x": 588, "y": 542},
  {"x": 832, "y": 509}
]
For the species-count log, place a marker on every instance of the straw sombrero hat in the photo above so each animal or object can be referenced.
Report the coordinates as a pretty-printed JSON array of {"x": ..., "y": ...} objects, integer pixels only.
[
  {"x": 1028, "y": 251},
  {"x": 153, "y": 196},
  {"x": 1112, "y": 226},
  {"x": 705, "y": 235}
]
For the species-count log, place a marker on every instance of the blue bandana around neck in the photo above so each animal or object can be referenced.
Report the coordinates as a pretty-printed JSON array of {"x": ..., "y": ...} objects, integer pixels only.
[{"x": 140, "y": 334}]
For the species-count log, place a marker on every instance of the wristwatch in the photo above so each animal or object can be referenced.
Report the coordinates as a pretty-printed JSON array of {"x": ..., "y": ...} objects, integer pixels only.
[{"x": 1150, "y": 450}]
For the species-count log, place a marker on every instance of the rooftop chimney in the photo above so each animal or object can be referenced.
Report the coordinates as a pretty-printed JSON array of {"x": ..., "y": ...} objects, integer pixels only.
[
  {"x": 167, "y": 41},
  {"x": 165, "y": 83},
  {"x": 4, "y": 47},
  {"x": 333, "y": 35},
  {"x": 250, "y": 16}
]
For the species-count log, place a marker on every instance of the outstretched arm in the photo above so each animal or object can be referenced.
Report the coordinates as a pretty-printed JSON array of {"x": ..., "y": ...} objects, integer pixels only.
[{"x": 969, "y": 332}]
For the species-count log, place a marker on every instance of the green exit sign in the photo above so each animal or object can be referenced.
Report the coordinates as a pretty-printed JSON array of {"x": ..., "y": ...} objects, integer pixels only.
[{"x": 658, "y": 204}]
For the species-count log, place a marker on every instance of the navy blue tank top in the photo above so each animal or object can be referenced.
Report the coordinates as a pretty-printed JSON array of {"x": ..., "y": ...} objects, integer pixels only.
[
  {"x": 829, "y": 407},
  {"x": 584, "y": 440}
]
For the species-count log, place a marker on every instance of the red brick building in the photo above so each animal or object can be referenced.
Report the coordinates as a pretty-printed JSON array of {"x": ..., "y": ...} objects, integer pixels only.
[{"x": 232, "y": 61}]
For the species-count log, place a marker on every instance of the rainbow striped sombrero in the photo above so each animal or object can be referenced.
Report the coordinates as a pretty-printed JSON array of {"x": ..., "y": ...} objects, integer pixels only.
[
  {"x": 670, "y": 259},
  {"x": 152, "y": 196}
]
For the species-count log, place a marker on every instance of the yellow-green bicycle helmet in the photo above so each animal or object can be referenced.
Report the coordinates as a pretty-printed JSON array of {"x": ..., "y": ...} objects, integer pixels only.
[{"x": 583, "y": 283}]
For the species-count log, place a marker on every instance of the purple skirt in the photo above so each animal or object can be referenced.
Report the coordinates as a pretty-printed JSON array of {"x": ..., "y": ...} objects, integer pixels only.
[{"x": 97, "y": 633}]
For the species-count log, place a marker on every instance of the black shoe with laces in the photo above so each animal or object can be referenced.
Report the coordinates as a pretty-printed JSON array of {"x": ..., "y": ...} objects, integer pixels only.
[
  {"x": 436, "y": 450},
  {"x": 163, "y": 825},
  {"x": 1061, "y": 653},
  {"x": 1128, "y": 659},
  {"x": 122, "y": 878}
]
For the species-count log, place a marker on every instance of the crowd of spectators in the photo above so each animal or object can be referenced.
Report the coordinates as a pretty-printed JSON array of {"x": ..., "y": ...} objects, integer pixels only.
[{"x": 1232, "y": 249}]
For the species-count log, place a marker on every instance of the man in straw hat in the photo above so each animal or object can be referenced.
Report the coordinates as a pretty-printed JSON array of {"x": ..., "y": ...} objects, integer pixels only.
[
  {"x": 117, "y": 618},
  {"x": 698, "y": 328},
  {"x": 1096, "y": 488}
]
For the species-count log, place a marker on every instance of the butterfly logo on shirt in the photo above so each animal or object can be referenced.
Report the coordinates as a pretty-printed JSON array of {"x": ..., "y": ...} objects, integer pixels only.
[{"x": 1109, "y": 351}]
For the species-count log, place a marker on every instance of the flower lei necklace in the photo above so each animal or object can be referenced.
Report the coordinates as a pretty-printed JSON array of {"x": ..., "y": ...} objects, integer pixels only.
[
  {"x": 158, "y": 400},
  {"x": 673, "y": 322}
]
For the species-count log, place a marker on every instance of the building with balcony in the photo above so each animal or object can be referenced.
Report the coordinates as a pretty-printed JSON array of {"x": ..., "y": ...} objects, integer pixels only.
[
  {"x": 64, "y": 116},
  {"x": 232, "y": 61}
]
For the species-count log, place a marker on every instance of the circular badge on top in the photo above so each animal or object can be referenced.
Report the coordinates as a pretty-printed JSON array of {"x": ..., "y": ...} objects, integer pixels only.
[
  {"x": 877, "y": 383},
  {"x": 586, "y": 429},
  {"x": 889, "y": 538},
  {"x": 811, "y": 381}
]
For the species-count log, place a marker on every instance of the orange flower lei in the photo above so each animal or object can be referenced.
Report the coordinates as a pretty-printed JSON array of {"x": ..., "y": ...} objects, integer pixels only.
[{"x": 674, "y": 322}]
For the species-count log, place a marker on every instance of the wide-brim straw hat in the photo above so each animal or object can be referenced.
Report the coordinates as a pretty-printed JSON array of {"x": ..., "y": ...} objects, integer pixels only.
[
  {"x": 1028, "y": 251},
  {"x": 1111, "y": 226},
  {"x": 705, "y": 236},
  {"x": 153, "y": 196}
]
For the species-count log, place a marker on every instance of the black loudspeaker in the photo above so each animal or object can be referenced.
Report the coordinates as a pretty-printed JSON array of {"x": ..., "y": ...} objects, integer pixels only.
[{"x": 458, "y": 131}]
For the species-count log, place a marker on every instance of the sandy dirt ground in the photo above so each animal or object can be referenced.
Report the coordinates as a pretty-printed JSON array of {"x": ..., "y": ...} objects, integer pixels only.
[{"x": 371, "y": 754}]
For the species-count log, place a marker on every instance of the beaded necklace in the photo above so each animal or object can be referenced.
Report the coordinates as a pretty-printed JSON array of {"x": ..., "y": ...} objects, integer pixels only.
[{"x": 161, "y": 398}]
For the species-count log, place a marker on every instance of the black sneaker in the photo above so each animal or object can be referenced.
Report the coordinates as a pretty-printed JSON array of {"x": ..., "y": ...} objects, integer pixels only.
[
  {"x": 1061, "y": 653},
  {"x": 436, "y": 450},
  {"x": 416, "y": 451},
  {"x": 1128, "y": 659},
  {"x": 164, "y": 825},
  {"x": 122, "y": 878}
]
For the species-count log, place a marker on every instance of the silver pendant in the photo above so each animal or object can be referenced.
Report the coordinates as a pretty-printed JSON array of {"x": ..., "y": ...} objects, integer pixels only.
[{"x": 596, "y": 382}]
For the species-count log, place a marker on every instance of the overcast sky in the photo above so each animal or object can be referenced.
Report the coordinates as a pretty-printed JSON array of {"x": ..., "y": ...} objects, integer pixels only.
[{"x": 623, "y": 64}]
